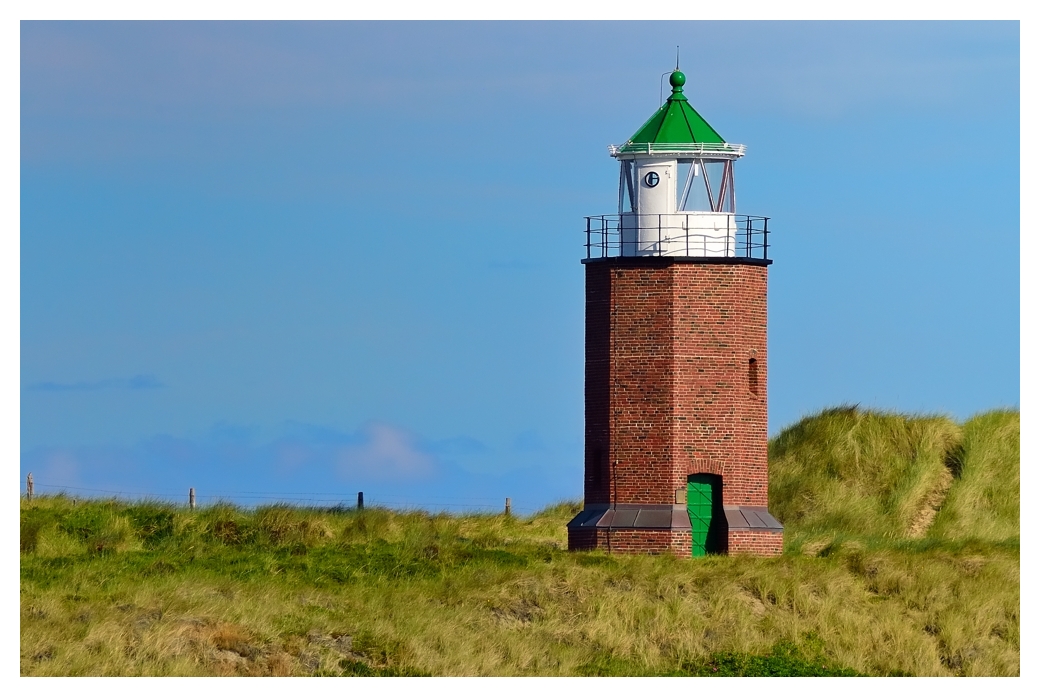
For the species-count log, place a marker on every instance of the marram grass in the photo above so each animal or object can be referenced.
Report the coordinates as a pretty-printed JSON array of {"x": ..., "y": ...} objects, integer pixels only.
[
  {"x": 119, "y": 588},
  {"x": 863, "y": 471},
  {"x": 983, "y": 502}
]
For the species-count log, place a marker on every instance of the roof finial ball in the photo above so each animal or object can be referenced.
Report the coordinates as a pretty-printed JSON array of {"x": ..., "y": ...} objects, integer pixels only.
[{"x": 677, "y": 80}]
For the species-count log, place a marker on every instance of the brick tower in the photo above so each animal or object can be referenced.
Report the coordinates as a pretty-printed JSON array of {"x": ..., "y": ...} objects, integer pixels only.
[{"x": 675, "y": 352}]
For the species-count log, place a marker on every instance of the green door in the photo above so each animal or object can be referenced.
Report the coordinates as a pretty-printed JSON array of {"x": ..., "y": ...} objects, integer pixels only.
[{"x": 703, "y": 502}]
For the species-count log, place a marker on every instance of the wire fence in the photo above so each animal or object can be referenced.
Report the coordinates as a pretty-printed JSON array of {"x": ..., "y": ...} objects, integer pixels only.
[{"x": 303, "y": 499}]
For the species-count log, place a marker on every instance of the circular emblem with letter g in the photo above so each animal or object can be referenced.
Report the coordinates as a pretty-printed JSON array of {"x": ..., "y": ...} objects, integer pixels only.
[{"x": 651, "y": 179}]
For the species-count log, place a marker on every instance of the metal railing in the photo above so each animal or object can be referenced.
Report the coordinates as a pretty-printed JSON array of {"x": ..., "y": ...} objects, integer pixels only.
[
  {"x": 693, "y": 235},
  {"x": 686, "y": 148}
]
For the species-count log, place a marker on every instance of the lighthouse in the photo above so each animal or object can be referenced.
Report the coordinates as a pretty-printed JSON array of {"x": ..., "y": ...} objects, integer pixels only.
[{"x": 676, "y": 430}]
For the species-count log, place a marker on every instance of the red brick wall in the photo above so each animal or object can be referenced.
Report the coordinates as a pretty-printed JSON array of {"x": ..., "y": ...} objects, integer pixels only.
[
  {"x": 719, "y": 420},
  {"x": 628, "y": 541},
  {"x": 631, "y": 541},
  {"x": 597, "y": 385},
  {"x": 668, "y": 386},
  {"x": 760, "y": 543},
  {"x": 581, "y": 540}
]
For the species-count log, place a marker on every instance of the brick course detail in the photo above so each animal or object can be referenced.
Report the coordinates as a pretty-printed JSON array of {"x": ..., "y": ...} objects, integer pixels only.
[
  {"x": 632, "y": 541},
  {"x": 675, "y": 384},
  {"x": 760, "y": 543}
]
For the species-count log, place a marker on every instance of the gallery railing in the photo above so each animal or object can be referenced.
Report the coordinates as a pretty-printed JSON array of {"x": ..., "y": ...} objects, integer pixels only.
[{"x": 687, "y": 234}]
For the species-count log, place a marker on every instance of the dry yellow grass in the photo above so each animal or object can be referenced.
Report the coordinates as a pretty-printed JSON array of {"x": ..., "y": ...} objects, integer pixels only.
[
  {"x": 855, "y": 470},
  {"x": 532, "y": 610},
  {"x": 112, "y": 588},
  {"x": 983, "y": 503}
]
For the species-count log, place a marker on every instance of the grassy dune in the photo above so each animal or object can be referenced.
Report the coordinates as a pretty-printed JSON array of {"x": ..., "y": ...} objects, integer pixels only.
[
  {"x": 868, "y": 472},
  {"x": 119, "y": 588},
  {"x": 983, "y": 502}
]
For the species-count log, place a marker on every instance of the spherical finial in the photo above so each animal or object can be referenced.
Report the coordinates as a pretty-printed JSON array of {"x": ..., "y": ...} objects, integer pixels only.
[{"x": 677, "y": 80}]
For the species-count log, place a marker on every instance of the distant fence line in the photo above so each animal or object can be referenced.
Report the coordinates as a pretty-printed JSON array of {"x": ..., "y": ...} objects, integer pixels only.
[{"x": 331, "y": 500}]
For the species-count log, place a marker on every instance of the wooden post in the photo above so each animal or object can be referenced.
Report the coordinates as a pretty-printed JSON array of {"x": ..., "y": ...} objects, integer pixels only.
[
  {"x": 509, "y": 506},
  {"x": 191, "y": 498},
  {"x": 361, "y": 500},
  {"x": 29, "y": 488}
]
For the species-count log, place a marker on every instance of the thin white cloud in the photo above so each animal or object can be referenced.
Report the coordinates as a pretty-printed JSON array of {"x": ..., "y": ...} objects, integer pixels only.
[
  {"x": 387, "y": 452},
  {"x": 58, "y": 466},
  {"x": 314, "y": 465}
]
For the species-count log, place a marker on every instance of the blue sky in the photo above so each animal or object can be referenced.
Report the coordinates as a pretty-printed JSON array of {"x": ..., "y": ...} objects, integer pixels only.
[{"x": 317, "y": 258}]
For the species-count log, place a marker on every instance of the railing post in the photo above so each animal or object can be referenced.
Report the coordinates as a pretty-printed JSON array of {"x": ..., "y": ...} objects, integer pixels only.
[
  {"x": 765, "y": 238},
  {"x": 29, "y": 488},
  {"x": 588, "y": 237}
]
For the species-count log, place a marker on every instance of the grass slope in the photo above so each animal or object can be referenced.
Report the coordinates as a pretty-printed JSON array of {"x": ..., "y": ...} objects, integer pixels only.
[
  {"x": 859, "y": 471},
  {"x": 117, "y": 588},
  {"x": 983, "y": 502}
]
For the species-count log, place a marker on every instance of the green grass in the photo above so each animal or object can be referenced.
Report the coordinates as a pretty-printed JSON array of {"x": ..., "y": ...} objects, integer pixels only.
[
  {"x": 120, "y": 588},
  {"x": 983, "y": 501},
  {"x": 846, "y": 469}
]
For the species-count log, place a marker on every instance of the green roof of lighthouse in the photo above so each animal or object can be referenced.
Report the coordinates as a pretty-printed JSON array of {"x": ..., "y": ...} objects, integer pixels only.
[{"x": 676, "y": 121}]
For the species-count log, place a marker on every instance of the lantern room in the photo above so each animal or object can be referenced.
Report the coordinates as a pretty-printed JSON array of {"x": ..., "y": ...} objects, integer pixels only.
[{"x": 676, "y": 191}]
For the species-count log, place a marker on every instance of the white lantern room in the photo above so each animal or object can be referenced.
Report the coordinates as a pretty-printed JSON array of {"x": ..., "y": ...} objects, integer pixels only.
[{"x": 676, "y": 193}]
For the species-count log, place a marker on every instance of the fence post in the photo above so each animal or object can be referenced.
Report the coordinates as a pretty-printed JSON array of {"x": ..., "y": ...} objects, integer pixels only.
[
  {"x": 191, "y": 498},
  {"x": 361, "y": 500},
  {"x": 29, "y": 488},
  {"x": 509, "y": 506}
]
